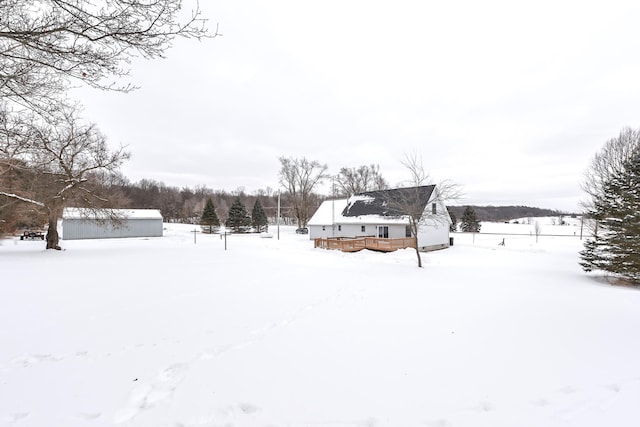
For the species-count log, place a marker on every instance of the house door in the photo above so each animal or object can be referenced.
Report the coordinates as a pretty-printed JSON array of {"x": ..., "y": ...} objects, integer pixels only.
[{"x": 383, "y": 231}]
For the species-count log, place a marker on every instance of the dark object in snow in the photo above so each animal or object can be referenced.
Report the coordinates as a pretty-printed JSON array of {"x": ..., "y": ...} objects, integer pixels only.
[
  {"x": 32, "y": 235},
  {"x": 303, "y": 230}
]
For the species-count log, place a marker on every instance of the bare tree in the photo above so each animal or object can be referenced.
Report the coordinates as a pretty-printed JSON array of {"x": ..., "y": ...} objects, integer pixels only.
[
  {"x": 58, "y": 161},
  {"x": 537, "y": 229},
  {"x": 607, "y": 164},
  {"x": 352, "y": 181},
  {"x": 412, "y": 203},
  {"x": 46, "y": 45},
  {"x": 299, "y": 177}
]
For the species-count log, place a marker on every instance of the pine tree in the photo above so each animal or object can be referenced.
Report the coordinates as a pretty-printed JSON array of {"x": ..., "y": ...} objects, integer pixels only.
[
  {"x": 259, "y": 217},
  {"x": 615, "y": 246},
  {"x": 454, "y": 221},
  {"x": 238, "y": 219},
  {"x": 469, "y": 222},
  {"x": 209, "y": 220}
]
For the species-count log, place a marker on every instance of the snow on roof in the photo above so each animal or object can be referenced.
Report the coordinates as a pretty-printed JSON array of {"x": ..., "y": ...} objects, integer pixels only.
[
  {"x": 370, "y": 208},
  {"x": 82, "y": 213},
  {"x": 331, "y": 212},
  {"x": 328, "y": 212}
]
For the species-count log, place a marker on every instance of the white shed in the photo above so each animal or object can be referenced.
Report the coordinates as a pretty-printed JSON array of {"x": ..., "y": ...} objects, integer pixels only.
[{"x": 80, "y": 223}]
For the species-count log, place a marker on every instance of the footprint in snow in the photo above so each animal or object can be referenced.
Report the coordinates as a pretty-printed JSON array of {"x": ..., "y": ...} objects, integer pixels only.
[
  {"x": 17, "y": 416},
  {"x": 34, "y": 359},
  {"x": 568, "y": 390},
  {"x": 541, "y": 402},
  {"x": 248, "y": 408},
  {"x": 89, "y": 416},
  {"x": 485, "y": 406},
  {"x": 614, "y": 388},
  {"x": 146, "y": 396},
  {"x": 370, "y": 422}
]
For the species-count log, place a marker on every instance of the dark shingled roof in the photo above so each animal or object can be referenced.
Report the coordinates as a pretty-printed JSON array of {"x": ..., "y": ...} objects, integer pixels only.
[{"x": 389, "y": 202}]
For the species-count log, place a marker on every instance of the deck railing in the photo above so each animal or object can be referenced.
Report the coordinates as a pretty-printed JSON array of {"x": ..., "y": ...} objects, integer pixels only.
[{"x": 358, "y": 243}]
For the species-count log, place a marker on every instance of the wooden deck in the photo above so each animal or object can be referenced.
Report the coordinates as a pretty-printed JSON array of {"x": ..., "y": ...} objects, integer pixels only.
[{"x": 358, "y": 243}]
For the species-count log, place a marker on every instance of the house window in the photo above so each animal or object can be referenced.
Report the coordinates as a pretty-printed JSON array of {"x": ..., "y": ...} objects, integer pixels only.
[
  {"x": 407, "y": 231},
  {"x": 433, "y": 209},
  {"x": 339, "y": 228},
  {"x": 383, "y": 231},
  {"x": 362, "y": 228}
]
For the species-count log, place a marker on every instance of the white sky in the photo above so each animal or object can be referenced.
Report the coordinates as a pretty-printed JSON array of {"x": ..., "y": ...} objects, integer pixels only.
[{"x": 509, "y": 99}]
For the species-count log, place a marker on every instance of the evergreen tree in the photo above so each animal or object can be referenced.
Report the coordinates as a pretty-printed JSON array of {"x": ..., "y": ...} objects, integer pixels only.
[
  {"x": 469, "y": 221},
  {"x": 209, "y": 220},
  {"x": 238, "y": 219},
  {"x": 454, "y": 221},
  {"x": 258, "y": 217},
  {"x": 615, "y": 246}
]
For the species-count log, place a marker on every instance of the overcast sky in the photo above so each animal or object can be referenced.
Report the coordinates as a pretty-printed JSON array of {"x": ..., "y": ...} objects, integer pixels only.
[{"x": 509, "y": 99}]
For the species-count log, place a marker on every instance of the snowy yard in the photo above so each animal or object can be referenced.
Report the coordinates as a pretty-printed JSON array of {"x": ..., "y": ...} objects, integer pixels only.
[{"x": 165, "y": 332}]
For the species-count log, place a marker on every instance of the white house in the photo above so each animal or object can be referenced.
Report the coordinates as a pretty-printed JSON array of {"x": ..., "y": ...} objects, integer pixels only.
[
  {"x": 378, "y": 214},
  {"x": 84, "y": 224}
]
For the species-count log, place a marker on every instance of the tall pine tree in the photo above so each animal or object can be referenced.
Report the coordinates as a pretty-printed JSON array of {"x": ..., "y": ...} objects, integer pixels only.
[
  {"x": 259, "y": 217},
  {"x": 209, "y": 220},
  {"x": 454, "y": 221},
  {"x": 238, "y": 219},
  {"x": 615, "y": 247},
  {"x": 469, "y": 222}
]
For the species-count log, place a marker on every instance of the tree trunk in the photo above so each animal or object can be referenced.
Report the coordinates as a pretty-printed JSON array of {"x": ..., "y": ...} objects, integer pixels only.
[
  {"x": 418, "y": 255},
  {"x": 53, "y": 239}
]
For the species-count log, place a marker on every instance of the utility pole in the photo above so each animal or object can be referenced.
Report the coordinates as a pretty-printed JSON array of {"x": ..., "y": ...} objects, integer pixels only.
[
  {"x": 278, "y": 215},
  {"x": 333, "y": 207}
]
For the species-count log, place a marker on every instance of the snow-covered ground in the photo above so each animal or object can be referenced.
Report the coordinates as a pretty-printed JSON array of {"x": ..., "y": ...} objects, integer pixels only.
[{"x": 165, "y": 332}]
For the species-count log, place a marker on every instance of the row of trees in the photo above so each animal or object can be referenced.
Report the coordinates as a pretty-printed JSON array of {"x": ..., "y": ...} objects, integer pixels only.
[
  {"x": 177, "y": 204},
  {"x": 507, "y": 213},
  {"x": 238, "y": 219}
]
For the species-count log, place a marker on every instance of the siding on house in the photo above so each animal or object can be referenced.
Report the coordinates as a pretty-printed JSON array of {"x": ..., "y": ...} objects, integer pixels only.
[
  {"x": 354, "y": 230},
  {"x": 430, "y": 237},
  {"x": 76, "y": 225}
]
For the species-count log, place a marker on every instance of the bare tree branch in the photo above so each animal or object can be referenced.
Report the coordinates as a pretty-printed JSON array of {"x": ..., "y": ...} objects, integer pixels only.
[
  {"x": 299, "y": 177},
  {"x": 46, "y": 45},
  {"x": 364, "y": 178}
]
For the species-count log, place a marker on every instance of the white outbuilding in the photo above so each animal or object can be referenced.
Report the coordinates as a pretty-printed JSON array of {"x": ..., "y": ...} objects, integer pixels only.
[{"x": 85, "y": 224}]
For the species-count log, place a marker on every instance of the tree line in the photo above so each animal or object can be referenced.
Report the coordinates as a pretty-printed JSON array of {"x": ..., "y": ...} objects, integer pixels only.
[
  {"x": 505, "y": 213},
  {"x": 298, "y": 198},
  {"x": 176, "y": 204}
]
